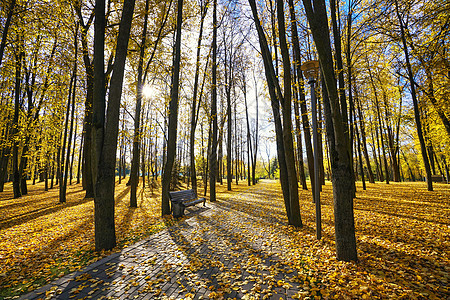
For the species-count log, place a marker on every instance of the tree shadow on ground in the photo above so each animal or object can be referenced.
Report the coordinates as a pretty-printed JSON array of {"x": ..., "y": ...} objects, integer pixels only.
[{"x": 34, "y": 214}]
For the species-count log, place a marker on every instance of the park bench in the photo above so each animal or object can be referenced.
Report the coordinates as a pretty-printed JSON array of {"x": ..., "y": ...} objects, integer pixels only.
[
  {"x": 437, "y": 178},
  {"x": 182, "y": 199}
]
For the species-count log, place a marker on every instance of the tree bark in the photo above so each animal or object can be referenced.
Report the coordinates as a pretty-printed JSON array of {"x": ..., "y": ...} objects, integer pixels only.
[
  {"x": 89, "y": 147},
  {"x": 106, "y": 129},
  {"x": 341, "y": 90},
  {"x": 213, "y": 116},
  {"x": 194, "y": 109},
  {"x": 228, "y": 87},
  {"x": 15, "y": 128},
  {"x": 296, "y": 72},
  {"x": 364, "y": 141},
  {"x": 173, "y": 114},
  {"x": 249, "y": 140},
  {"x": 134, "y": 176},
  {"x": 340, "y": 157},
  {"x": 68, "y": 167},
  {"x": 65, "y": 159},
  {"x": 6, "y": 28},
  {"x": 287, "y": 120},
  {"x": 275, "y": 95},
  {"x": 302, "y": 99},
  {"x": 255, "y": 141},
  {"x": 423, "y": 149}
]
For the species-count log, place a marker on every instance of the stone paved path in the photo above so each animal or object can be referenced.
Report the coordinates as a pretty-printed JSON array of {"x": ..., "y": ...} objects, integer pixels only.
[{"x": 217, "y": 252}]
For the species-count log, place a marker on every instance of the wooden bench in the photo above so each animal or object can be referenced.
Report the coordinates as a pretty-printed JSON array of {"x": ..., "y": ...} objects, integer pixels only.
[
  {"x": 182, "y": 199},
  {"x": 437, "y": 178}
]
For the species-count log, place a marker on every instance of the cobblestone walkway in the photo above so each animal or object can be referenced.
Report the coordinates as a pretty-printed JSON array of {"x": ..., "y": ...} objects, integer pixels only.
[{"x": 216, "y": 252}]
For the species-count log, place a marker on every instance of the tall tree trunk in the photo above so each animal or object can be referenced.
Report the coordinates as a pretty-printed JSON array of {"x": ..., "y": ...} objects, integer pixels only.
[
  {"x": 72, "y": 117},
  {"x": 80, "y": 158},
  {"x": 73, "y": 153},
  {"x": 89, "y": 147},
  {"x": 70, "y": 107},
  {"x": 61, "y": 173},
  {"x": 340, "y": 156},
  {"x": 296, "y": 84},
  {"x": 106, "y": 129},
  {"x": 364, "y": 142},
  {"x": 249, "y": 139},
  {"x": 236, "y": 145},
  {"x": 134, "y": 176},
  {"x": 358, "y": 141},
  {"x": 4, "y": 158},
  {"x": 341, "y": 83},
  {"x": 194, "y": 109},
  {"x": 423, "y": 149},
  {"x": 228, "y": 86},
  {"x": 6, "y": 28},
  {"x": 15, "y": 128},
  {"x": 173, "y": 114},
  {"x": 287, "y": 120},
  {"x": 380, "y": 125},
  {"x": 255, "y": 140},
  {"x": 275, "y": 95},
  {"x": 213, "y": 137},
  {"x": 302, "y": 100}
]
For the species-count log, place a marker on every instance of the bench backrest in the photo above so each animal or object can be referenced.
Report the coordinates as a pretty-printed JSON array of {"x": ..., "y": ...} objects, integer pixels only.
[
  {"x": 437, "y": 178},
  {"x": 183, "y": 195}
]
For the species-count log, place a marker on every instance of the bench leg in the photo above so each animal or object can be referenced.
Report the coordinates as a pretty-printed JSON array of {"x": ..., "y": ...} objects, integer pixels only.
[{"x": 177, "y": 210}]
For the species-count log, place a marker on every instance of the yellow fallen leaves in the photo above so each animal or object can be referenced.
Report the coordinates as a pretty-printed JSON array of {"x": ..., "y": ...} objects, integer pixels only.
[
  {"x": 402, "y": 230},
  {"x": 403, "y": 234},
  {"x": 41, "y": 239}
]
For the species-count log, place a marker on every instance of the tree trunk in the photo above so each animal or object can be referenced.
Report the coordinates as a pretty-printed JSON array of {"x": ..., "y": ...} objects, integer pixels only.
[
  {"x": 213, "y": 139},
  {"x": 423, "y": 149},
  {"x": 4, "y": 158},
  {"x": 194, "y": 109},
  {"x": 68, "y": 135},
  {"x": 340, "y": 156},
  {"x": 358, "y": 141},
  {"x": 380, "y": 125},
  {"x": 134, "y": 176},
  {"x": 61, "y": 173},
  {"x": 80, "y": 159},
  {"x": 15, "y": 128},
  {"x": 302, "y": 100},
  {"x": 255, "y": 141},
  {"x": 89, "y": 148},
  {"x": 228, "y": 87},
  {"x": 249, "y": 139},
  {"x": 73, "y": 152},
  {"x": 6, "y": 28},
  {"x": 287, "y": 120},
  {"x": 341, "y": 90},
  {"x": 173, "y": 115},
  {"x": 275, "y": 94},
  {"x": 106, "y": 129},
  {"x": 364, "y": 142},
  {"x": 72, "y": 117}
]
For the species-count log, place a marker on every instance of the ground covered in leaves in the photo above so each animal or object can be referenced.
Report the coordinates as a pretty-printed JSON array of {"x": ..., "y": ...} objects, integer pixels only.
[
  {"x": 403, "y": 240},
  {"x": 403, "y": 237},
  {"x": 41, "y": 239}
]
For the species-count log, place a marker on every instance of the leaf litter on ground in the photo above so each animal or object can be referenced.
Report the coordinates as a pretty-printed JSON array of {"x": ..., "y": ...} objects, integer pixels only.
[{"x": 402, "y": 237}]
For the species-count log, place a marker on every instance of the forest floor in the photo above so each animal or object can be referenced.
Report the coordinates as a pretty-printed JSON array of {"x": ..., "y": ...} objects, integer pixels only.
[{"x": 403, "y": 240}]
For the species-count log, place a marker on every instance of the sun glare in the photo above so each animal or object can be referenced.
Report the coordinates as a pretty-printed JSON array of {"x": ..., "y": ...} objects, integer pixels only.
[{"x": 148, "y": 91}]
